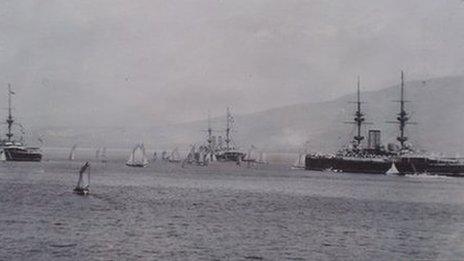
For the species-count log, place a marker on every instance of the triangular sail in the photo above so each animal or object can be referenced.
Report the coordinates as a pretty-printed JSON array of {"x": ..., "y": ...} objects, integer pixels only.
[
  {"x": 393, "y": 169},
  {"x": 300, "y": 161},
  {"x": 72, "y": 152},
  {"x": 80, "y": 181},
  {"x": 131, "y": 157},
  {"x": 144, "y": 155}
]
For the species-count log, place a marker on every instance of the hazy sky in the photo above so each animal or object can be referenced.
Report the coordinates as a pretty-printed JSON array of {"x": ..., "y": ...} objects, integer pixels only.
[{"x": 171, "y": 61}]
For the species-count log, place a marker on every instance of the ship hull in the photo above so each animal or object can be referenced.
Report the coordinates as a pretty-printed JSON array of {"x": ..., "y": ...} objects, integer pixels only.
[
  {"x": 15, "y": 154},
  {"x": 420, "y": 165},
  {"x": 231, "y": 156},
  {"x": 136, "y": 165},
  {"x": 349, "y": 165}
]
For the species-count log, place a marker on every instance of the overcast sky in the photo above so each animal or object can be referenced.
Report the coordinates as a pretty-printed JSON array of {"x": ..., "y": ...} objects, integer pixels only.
[{"x": 175, "y": 60}]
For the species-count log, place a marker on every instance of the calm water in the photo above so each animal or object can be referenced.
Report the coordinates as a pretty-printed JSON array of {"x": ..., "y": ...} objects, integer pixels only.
[{"x": 165, "y": 212}]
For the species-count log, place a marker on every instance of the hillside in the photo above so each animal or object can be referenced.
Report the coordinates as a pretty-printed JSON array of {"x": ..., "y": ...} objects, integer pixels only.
[{"x": 436, "y": 106}]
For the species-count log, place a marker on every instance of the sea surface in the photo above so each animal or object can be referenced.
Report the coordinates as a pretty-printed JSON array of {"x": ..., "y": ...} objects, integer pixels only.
[{"x": 225, "y": 212}]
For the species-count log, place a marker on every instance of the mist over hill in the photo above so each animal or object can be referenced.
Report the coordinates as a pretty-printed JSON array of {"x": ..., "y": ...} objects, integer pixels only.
[{"x": 435, "y": 106}]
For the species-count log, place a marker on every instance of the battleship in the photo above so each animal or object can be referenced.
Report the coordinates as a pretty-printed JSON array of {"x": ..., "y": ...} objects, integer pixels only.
[
  {"x": 409, "y": 161},
  {"x": 378, "y": 159},
  {"x": 354, "y": 158},
  {"x": 15, "y": 150}
]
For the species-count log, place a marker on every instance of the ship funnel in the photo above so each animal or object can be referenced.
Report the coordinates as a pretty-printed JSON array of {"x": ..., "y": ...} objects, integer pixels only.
[{"x": 374, "y": 140}]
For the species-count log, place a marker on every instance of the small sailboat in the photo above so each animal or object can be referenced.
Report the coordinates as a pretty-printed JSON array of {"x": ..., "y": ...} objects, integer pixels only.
[
  {"x": 300, "y": 162},
  {"x": 250, "y": 156},
  {"x": 83, "y": 187},
  {"x": 2, "y": 155},
  {"x": 262, "y": 158},
  {"x": 138, "y": 157},
  {"x": 72, "y": 153},
  {"x": 393, "y": 170},
  {"x": 164, "y": 155},
  {"x": 103, "y": 157},
  {"x": 175, "y": 156}
]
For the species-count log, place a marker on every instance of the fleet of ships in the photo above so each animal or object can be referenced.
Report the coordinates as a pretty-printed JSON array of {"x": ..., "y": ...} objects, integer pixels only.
[{"x": 370, "y": 156}]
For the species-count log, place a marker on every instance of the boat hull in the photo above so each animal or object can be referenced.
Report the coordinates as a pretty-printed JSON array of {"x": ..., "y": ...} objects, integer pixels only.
[
  {"x": 231, "y": 156},
  {"x": 419, "y": 165},
  {"x": 137, "y": 165},
  {"x": 17, "y": 154},
  {"x": 351, "y": 165},
  {"x": 81, "y": 191}
]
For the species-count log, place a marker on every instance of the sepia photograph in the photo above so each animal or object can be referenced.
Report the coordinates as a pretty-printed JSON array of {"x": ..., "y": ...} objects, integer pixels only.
[{"x": 231, "y": 130}]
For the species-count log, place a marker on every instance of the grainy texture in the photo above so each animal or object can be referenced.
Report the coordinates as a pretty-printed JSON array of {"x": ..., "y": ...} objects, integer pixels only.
[{"x": 225, "y": 212}]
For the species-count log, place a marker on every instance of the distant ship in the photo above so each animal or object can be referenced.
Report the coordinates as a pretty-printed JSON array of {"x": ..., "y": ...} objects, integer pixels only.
[
  {"x": 174, "y": 157},
  {"x": 138, "y": 157},
  {"x": 13, "y": 150},
  {"x": 376, "y": 159},
  {"x": 228, "y": 152}
]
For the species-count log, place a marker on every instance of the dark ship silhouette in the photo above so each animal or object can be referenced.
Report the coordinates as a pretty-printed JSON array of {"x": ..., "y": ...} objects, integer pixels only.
[
  {"x": 376, "y": 159},
  {"x": 13, "y": 150}
]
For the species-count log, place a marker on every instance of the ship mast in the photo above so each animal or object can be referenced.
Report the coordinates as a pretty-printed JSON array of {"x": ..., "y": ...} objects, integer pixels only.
[
  {"x": 359, "y": 117},
  {"x": 210, "y": 134},
  {"x": 228, "y": 128},
  {"x": 402, "y": 116},
  {"x": 9, "y": 120}
]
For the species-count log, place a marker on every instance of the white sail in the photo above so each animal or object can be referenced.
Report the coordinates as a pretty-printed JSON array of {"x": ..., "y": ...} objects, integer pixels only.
[
  {"x": 2, "y": 155},
  {"x": 80, "y": 181},
  {"x": 144, "y": 155},
  {"x": 175, "y": 156},
  {"x": 72, "y": 152},
  {"x": 103, "y": 154},
  {"x": 262, "y": 157},
  {"x": 138, "y": 156},
  {"x": 300, "y": 161},
  {"x": 393, "y": 169},
  {"x": 131, "y": 157}
]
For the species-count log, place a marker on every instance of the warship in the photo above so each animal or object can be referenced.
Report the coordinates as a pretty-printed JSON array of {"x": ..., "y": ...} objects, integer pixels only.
[
  {"x": 229, "y": 152},
  {"x": 410, "y": 161},
  {"x": 373, "y": 159},
  {"x": 376, "y": 159},
  {"x": 15, "y": 150}
]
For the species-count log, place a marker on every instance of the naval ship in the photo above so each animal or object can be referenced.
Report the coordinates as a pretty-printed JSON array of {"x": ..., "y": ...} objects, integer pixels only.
[
  {"x": 376, "y": 159},
  {"x": 409, "y": 161},
  {"x": 14, "y": 150},
  {"x": 373, "y": 159},
  {"x": 228, "y": 152}
]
